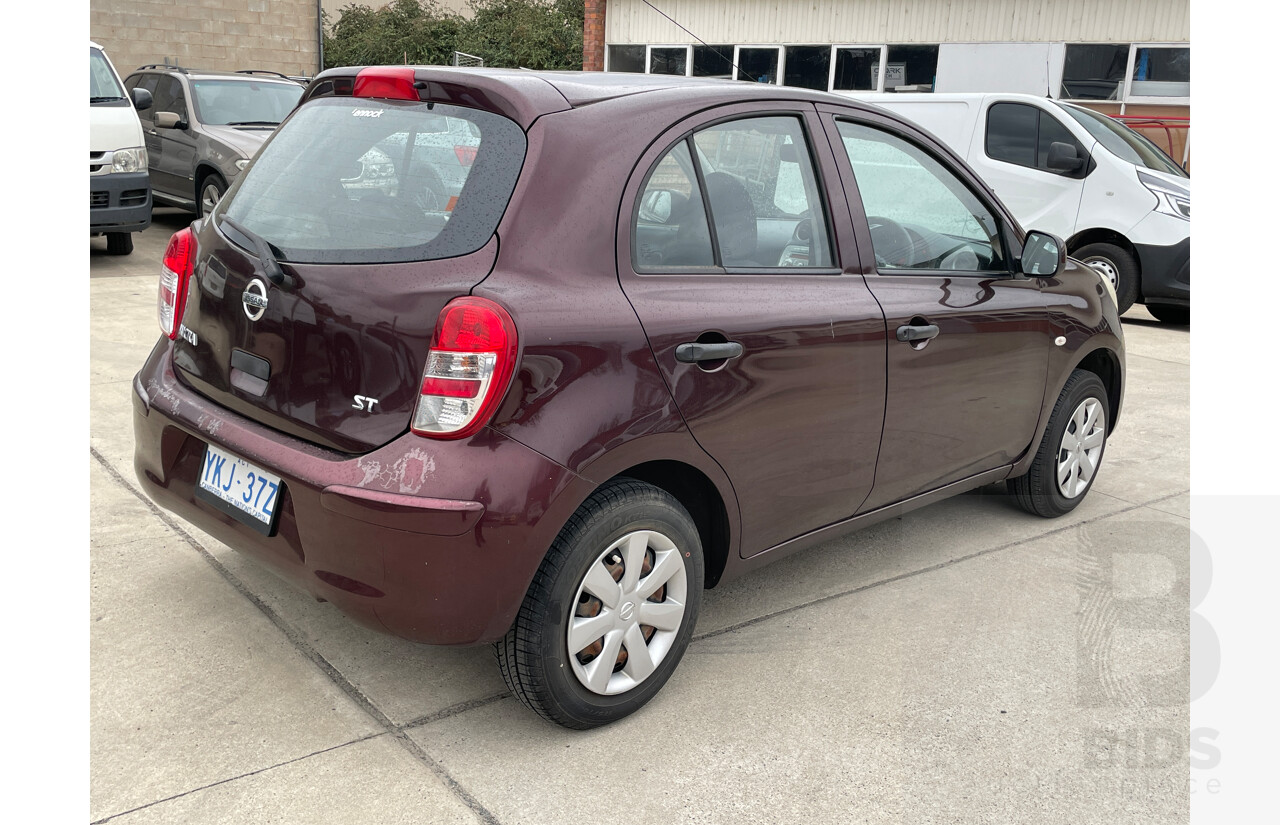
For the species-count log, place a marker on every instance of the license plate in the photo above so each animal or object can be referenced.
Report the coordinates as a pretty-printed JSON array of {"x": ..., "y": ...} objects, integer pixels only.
[{"x": 248, "y": 490}]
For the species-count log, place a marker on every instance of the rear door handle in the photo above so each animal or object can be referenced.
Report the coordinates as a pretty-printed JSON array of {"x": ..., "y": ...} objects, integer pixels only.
[
  {"x": 692, "y": 353},
  {"x": 917, "y": 332}
]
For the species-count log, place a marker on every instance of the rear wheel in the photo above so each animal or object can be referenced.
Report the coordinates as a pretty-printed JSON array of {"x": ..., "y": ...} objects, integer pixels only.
[
  {"x": 611, "y": 610},
  {"x": 1117, "y": 265},
  {"x": 1070, "y": 452},
  {"x": 211, "y": 189},
  {"x": 119, "y": 243},
  {"x": 1170, "y": 313}
]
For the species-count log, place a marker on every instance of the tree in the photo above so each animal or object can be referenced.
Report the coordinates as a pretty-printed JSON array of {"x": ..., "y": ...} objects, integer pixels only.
[{"x": 536, "y": 34}]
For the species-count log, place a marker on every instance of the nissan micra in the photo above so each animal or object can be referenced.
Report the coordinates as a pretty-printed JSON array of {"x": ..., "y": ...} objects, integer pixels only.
[{"x": 654, "y": 333}]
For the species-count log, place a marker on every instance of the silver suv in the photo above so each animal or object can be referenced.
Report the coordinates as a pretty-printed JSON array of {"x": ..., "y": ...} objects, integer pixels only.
[{"x": 204, "y": 127}]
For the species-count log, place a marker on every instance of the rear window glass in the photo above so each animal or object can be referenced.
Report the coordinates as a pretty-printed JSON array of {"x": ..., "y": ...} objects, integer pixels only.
[{"x": 379, "y": 181}]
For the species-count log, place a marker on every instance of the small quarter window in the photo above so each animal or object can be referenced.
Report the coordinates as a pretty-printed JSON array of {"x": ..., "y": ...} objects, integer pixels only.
[{"x": 670, "y": 230}]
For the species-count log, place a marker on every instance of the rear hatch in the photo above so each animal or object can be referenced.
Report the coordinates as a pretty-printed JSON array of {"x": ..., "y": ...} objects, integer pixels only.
[{"x": 320, "y": 275}]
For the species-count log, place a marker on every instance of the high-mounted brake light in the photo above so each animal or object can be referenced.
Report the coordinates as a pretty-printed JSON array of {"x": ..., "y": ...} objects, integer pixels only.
[
  {"x": 390, "y": 82},
  {"x": 472, "y": 357},
  {"x": 175, "y": 274}
]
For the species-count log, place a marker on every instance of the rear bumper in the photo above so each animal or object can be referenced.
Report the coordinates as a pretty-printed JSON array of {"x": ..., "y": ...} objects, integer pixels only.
[
  {"x": 431, "y": 541},
  {"x": 119, "y": 202},
  {"x": 1166, "y": 272}
]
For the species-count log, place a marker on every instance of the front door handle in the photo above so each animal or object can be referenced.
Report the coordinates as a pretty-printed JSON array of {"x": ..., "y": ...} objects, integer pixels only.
[
  {"x": 692, "y": 353},
  {"x": 917, "y": 332}
]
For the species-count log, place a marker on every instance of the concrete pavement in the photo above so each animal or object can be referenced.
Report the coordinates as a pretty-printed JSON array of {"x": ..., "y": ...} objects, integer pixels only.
[{"x": 967, "y": 662}]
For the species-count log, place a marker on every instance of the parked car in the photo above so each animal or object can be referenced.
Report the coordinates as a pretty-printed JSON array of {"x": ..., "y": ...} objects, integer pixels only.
[
  {"x": 627, "y": 365},
  {"x": 205, "y": 127},
  {"x": 119, "y": 191},
  {"x": 1121, "y": 203}
]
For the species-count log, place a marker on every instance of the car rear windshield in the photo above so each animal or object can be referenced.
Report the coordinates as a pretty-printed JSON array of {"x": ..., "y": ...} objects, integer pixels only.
[
  {"x": 247, "y": 102},
  {"x": 379, "y": 181},
  {"x": 1125, "y": 143}
]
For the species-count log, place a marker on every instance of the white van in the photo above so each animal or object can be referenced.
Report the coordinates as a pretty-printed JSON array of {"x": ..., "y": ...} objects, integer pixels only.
[
  {"x": 119, "y": 188},
  {"x": 1121, "y": 204}
]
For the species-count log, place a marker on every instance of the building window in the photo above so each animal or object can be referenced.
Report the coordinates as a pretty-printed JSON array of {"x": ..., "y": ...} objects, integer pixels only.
[
  {"x": 911, "y": 68},
  {"x": 1094, "y": 71},
  {"x": 668, "y": 59},
  {"x": 758, "y": 64},
  {"x": 1125, "y": 72},
  {"x": 1161, "y": 72},
  {"x": 713, "y": 61},
  {"x": 808, "y": 67},
  {"x": 626, "y": 58},
  {"x": 857, "y": 68}
]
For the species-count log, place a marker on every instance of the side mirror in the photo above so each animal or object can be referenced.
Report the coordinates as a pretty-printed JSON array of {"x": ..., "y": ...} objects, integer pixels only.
[
  {"x": 1064, "y": 158},
  {"x": 168, "y": 120},
  {"x": 656, "y": 206},
  {"x": 141, "y": 99},
  {"x": 1043, "y": 255}
]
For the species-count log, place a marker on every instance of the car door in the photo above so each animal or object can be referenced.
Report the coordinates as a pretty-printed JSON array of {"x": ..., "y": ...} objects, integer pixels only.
[
  {"x": 968, "y": 340},
  {"x": 173, "y": 167},
  {"x": 1011, "y": 152},
  {"x": 744, "y": 273},
  {"x": 146, "y": 117}
]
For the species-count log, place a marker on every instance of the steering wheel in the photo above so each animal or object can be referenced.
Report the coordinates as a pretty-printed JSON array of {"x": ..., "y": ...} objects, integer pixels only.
[{"x": 891, "y": 242}]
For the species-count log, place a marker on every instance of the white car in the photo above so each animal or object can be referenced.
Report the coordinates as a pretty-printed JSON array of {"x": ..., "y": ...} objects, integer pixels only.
[
  {"x": 1122, "y": 205},
  {"x": 119, "y": 186}
]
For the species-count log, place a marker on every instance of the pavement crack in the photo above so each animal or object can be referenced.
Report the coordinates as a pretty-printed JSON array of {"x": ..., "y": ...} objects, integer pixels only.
[
  {"x": 239, "y": 776},
  {"x": 300, "y": 643}
]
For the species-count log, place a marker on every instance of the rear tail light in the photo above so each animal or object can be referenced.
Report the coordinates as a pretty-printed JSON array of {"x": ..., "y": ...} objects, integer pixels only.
[
  {"x": 466, "y": 154},
  {"x": 473, "y": 354},
  {"x": 175, "y": 274}
]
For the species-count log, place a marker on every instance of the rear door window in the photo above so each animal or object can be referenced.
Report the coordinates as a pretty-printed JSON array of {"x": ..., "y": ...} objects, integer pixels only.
[{"x": 380, "y": 181}]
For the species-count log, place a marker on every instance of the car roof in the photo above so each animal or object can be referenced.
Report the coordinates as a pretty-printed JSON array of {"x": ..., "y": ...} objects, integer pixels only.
[
  {"x": 200, "y": 74},
  {"x": 524, "y": 94}
]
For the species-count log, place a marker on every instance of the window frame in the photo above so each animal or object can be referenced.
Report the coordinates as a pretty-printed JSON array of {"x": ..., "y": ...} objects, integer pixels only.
[
  {"x": 831, "y": 75},
  {"x": 1127, "y": 97},
  {"x": 1003, "y": 227},
  {"x": 718, "y": 268},
  {"x": 778, "y": 48},
  {"x": 688, "y": 57}
]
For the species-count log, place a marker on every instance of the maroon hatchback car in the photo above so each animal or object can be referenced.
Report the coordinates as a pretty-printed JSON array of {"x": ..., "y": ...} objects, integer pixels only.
[{"x": 485, "y": 356}]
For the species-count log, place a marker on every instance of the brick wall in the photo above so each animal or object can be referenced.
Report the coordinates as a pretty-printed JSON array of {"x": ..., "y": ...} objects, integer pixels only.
[
  {"x": 226, "y": 35},
  {"x": 593, "y": 36}
]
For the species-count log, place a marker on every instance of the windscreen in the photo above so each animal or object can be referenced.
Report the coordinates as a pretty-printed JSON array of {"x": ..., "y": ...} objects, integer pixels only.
[
  {"x": 103, "y": 85},
  {"x": 244, "y": 102},
  {"x": 1125, "y": 143},
  {"x": 357, "y": 180}
]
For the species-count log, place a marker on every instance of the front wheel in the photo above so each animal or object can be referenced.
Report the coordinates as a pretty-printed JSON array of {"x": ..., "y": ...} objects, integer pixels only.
[
  {"x": 119, "y": 243},
  {"x": 212, "y": 187},
  {"x": 1117, "y": 266},
  {"x": 1070, "y": 453},
  {"x": 1170, "y": 313},
  {"x": 610, "y": 611}
]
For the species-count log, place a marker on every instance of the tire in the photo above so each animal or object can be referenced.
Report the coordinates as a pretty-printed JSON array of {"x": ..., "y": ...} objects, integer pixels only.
[
  {"x": 119, "y": 243},
  {"x": 209, "y": 192},
  {"x": 1170, "y": 314},
  {"x": 1082, "y": 404},
  {"x": 1116, "y": 264},
  {"x": 624, "y": 523}
]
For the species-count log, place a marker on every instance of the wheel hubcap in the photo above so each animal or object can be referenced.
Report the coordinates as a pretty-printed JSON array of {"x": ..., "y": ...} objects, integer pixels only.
[
  {"x": 1081, "y": 447},
  {"x": 209, "y": 198},
  {"x": 627, "y": 612},
  {"x": 1106, "y": 268}
]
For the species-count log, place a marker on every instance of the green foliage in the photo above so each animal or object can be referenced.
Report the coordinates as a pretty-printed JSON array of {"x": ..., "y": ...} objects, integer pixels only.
[{"x": 536, "y": 34}]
